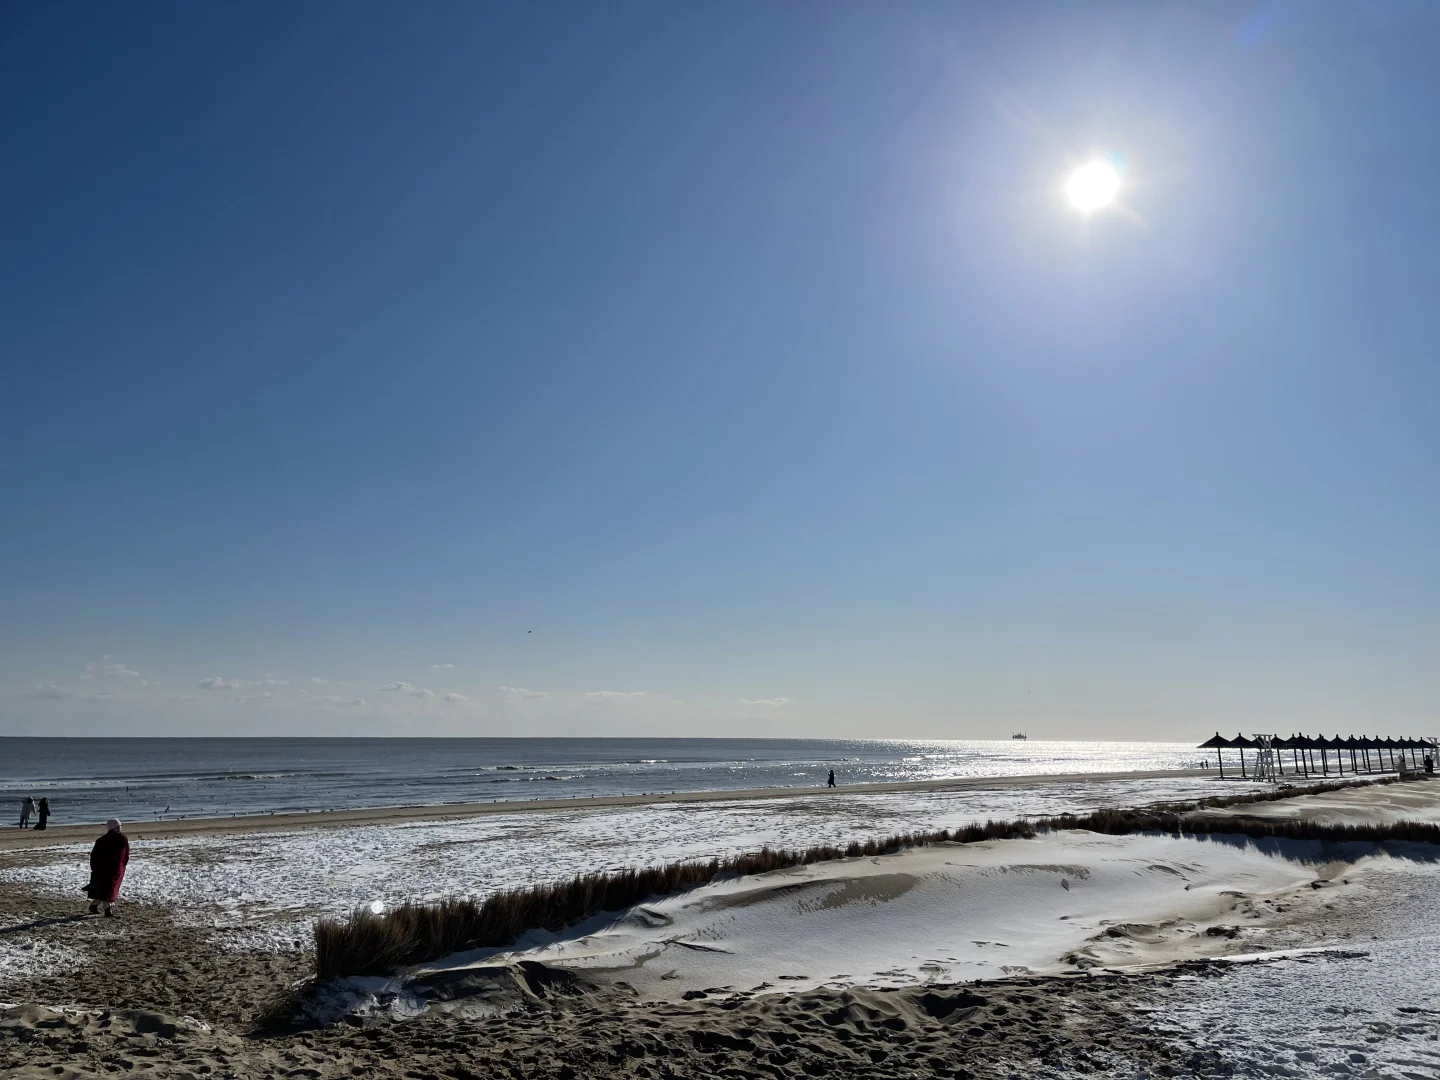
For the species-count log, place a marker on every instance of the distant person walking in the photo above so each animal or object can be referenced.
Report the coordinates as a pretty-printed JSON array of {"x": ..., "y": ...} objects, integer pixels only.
[
  {"x": 831, "y": 781},
  {"x": 44, "y": 814},
  {"x": 26, "y": 809},
  {"x": 108, "y": 859}
]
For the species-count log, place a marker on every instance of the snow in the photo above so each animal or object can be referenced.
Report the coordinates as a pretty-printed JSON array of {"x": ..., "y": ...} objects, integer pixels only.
[
  {"x": 262, "y": 889},
  {"x": 943, "y": 913},
  {"x": 26, "y": 955},
  {"x": 1382, "y": 803},
  {"x": 1369, "y": 1009}
]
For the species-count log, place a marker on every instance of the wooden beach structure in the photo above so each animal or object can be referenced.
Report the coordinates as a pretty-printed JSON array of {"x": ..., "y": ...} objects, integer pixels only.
[{"x": 1318, "y": 756}]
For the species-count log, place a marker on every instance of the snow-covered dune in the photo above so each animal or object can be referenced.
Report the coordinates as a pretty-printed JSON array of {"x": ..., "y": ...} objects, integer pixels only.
[{"x": 942, "y": 913}]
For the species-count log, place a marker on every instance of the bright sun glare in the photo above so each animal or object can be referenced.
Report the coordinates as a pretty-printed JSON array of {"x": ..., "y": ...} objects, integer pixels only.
[{"x": 1092, "y": 186}]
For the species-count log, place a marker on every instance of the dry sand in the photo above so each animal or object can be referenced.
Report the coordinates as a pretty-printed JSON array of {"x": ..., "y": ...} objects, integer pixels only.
[
  {"x": 1022, "y": 1027},
  {"x": 389, "y": 815}
]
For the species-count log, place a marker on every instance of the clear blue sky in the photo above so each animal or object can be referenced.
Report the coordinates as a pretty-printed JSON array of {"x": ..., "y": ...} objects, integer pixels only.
[{"x": 741, "y": 359}]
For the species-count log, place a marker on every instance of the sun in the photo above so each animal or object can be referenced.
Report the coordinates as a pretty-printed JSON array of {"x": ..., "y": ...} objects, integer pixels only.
[{"x": 1092, "y": 186}]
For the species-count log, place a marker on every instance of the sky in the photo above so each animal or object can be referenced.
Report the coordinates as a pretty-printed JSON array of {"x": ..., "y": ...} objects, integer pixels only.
[{"x": 728, "y": 369}]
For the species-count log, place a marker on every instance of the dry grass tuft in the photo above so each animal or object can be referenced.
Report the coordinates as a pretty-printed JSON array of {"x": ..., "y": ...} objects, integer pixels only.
[
  {"x": 1288, "y": 791},
  {"x": 1125, "y": 822}
]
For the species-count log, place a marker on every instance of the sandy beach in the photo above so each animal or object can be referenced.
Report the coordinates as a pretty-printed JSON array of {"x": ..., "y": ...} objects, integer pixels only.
[
  {"x": 1073, "y": 954},
  {"x": 388, "y": 815}
]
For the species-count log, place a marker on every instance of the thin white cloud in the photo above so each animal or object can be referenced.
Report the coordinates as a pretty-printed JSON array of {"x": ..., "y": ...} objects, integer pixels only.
[
  {"x": 110, "y": 671},
  {"x": 612, "y": 695},
  {"x": 273, "y": 682},
  {"x": 256, "y": 699},
  {"x": 441, "y": 667},
  {"x": 406, "y": 688},
  {"x": 48, "y": 693},
  {"x": 337, "y": 701},
  {"x": 521, "y": 692},
  {"x": 217, "y": 683},
  {"x": 315, "y": 681},
  {"x": 178, "y": 698},
  {"x": 765, "y": 703},
  {"x": 453, "y": 698}
]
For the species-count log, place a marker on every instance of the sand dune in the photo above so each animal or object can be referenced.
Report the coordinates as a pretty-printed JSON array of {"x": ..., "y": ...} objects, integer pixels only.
[{"x": 946, "y": 913}]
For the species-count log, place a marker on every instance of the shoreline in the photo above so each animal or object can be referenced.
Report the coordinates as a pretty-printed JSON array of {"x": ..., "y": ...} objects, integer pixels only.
[{"x": 14, "y": 839}]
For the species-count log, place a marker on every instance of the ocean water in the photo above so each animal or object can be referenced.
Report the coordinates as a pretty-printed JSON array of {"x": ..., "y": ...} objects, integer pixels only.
[{"x": 89, "y": 780}]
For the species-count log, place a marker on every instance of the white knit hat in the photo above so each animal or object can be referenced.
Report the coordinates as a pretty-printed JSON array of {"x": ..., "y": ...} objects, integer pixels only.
[{"x": 113, "y": 825}]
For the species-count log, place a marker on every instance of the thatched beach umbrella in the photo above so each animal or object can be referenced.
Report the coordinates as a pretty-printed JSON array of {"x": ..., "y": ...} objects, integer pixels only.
[
  {"x": 1364, "y": 756},
  {"x": 1293, "y": 745},
  {"x": 1349, "y": 744},
  {"x": 1366, "y": 745},
  {"x": 1305, "y": 744},
  {"x": 1240, "y": 742},
  {"x": 1278, "y": 743},
  {"x": 1216, "y": 743}
]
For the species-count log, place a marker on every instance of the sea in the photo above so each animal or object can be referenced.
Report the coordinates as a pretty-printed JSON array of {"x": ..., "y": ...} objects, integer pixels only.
[{"x": 89, "y": 780}]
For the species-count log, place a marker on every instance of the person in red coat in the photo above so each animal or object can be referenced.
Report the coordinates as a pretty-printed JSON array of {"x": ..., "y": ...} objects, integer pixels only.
[{"x": 108, "y": 859}]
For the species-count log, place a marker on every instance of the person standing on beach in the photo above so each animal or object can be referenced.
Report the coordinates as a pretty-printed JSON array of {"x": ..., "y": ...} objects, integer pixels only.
[
  {"x": 44, "y": 814},
  {"x": 831, "y": 781},
  {"x": 26, "y": 808},
  {"x": 108, "y": 859}
]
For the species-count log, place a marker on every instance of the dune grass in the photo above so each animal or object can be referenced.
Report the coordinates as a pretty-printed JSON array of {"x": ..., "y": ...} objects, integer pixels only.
[
  {"x": 367, "y": 943},
  {"x": 1126, "y": 822},
  {"x": 1287, "y": 791}
]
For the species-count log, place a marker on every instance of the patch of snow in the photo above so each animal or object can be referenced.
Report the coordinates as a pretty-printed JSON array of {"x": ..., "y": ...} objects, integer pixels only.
[
  {"x": 1369, "y": 1009},
  {"x": 22, "y": 956}
]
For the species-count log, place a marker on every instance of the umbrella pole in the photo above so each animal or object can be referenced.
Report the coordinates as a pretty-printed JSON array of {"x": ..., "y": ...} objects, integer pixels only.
[
  {"x": 1220, "y": 760},
  {"x": 1242, "y": 761}
]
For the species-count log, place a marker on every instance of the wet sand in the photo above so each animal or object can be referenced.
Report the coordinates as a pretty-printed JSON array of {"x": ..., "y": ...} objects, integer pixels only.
[{"x": 390, "y": 815}]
